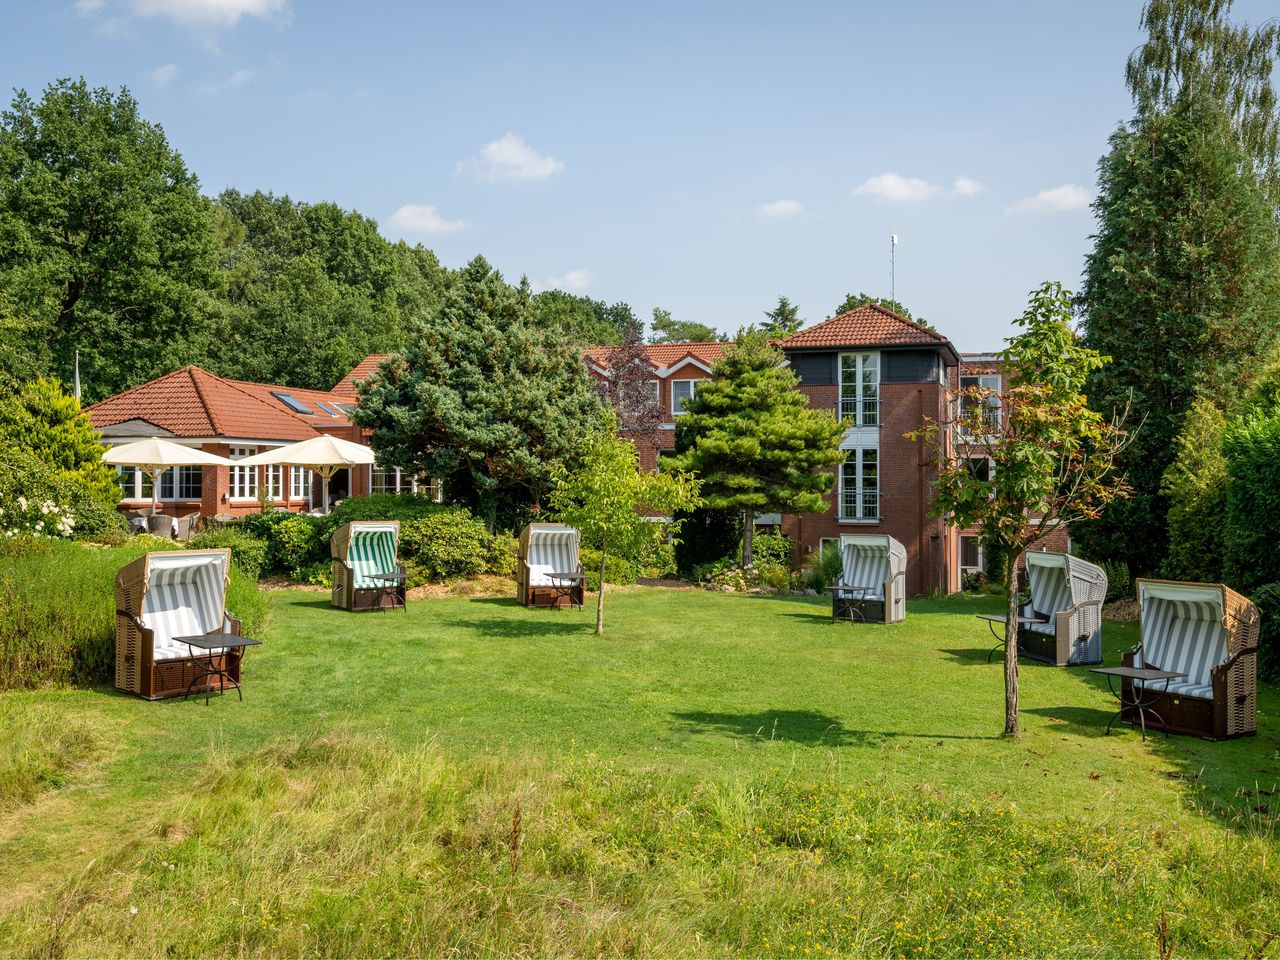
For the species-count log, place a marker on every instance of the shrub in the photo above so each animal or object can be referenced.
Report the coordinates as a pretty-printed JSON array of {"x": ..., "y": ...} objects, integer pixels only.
[
  {"x": 707, "y": 534},
  {"x": 247, "y": 551},
  {"x": 973, "y": 581},
  {"x": 1119, "y": 581},
  {"x": 35, "y": 498},
  {"x": 754, "y": 576},
  {"x": 297, "y": 543},
  {"x": 1267, "y": 598},
  {"x": 504, "y": 555},
  {"x": 771, "y": 548},
  {"x": 378, "y": 506},
  {"x": 1195, "y": 483},
  {"x": 661, "y": 564},
  {"x": 263, "y": 526},
  {"x": 57, "y": 609},
  {"x": 823, "y": 568},
  {"x": 317, "y": 574},
  {"x": 446, "y": 544},
  {"x": 1252, "y": 449},
  {"x": 617, "y": 570}
]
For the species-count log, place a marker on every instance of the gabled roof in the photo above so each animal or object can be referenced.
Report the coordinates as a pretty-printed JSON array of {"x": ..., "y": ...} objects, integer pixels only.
[
  {"x": 346, "y": 387},
  {"x": 665, "y": 356},
  {"x": 869, "y": 325},
  {"x": 192, "y": 402}
]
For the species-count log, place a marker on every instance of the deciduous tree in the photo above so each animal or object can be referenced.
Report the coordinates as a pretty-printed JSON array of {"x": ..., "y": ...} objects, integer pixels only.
[
  {"x": 663, "y": 328},
  {"x": 854, "y": 300},
  {"x": 619, "y": 509},
  {"x": 629, "y": 387},
  {"x": 752, "y": 438},
  {"x": 1053, "y": 456}
]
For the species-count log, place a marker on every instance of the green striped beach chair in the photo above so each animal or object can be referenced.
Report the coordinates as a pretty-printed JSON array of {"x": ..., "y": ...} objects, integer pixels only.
[{"x": 366, "y": 572}]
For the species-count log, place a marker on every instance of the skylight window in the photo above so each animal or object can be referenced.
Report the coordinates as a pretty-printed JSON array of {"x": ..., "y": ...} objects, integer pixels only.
[
  {"x": 292, "y": 402},
  {"x": 328, "y": 409},
  {"x": 349, "y": 407}
]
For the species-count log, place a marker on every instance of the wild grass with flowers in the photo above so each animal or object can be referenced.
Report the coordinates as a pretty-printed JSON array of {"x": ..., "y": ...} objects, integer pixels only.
[{"x": 725, "y": 774}]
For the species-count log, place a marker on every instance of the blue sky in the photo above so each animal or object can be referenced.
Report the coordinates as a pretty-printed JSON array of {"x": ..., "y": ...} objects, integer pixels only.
[{"x": 704, "y": 157}]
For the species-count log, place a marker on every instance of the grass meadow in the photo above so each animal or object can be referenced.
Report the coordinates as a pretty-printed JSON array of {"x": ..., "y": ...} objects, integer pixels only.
[{"x": 719, "y": 775}]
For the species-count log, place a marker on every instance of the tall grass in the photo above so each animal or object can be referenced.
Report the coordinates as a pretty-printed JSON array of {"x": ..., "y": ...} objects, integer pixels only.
[
  {"x": 39, "y": 750},
  {"x": 57, "y": 610},
  {"x": 346, "y": 846}
]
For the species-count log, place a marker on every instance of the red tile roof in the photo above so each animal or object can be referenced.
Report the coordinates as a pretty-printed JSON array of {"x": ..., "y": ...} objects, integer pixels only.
[
  {"x": 346, "y": 387},
  {"x": 195, "y": 403},
  {"x": 869, "y": 325},
  {"x": 663, "y": 355}
]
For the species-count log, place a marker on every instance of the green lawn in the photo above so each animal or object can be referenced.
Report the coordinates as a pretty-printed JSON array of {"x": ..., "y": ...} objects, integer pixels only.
[{"x": 718, "y": 775}]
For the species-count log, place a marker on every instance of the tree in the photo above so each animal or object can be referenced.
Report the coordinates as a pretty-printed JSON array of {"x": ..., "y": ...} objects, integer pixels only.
[
  {"x": 586, "y": 322},
  {"x": 784, "y": 319},
  {"x": 752, "y": 438},
  {"x": 1053, "y": 457},
  {"x": 483, "y": 397},
  {"x": 629, "y": 388},
  {"x": 616, "y": 506},
  {"x": 45, "y": 421},
  {"x": 1193, "y": 50},
  {"x": 106, "y": 243},
  {"x": 854, "y": 300},
  {"x": 1195, "y": 485},
  {"x": 1182, "y": 289},
  {"x": 665, "y": 329}
]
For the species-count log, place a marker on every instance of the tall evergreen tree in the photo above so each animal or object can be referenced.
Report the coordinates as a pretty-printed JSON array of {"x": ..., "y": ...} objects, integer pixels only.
[
  {"x": 1182, "y": 290},
  {"x": 754, "y": 441},
  {"x": 483, "y": 397},
  {"x": 784, "y": 319}
]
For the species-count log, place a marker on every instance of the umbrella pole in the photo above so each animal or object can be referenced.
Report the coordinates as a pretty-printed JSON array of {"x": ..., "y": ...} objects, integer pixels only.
[{"x": 155, "y": 491}]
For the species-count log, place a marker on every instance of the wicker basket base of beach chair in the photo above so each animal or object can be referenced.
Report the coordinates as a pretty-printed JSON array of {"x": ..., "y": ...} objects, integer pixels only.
[
  {"x": 347, "y": 596},
  {"x": 549, "y": 597},
  {"x": 858, "y": 610},
  {"x": 169, "y": 594},
  {"x": 1059, "y": 649},
  {"x": 1210, "y": 633}
]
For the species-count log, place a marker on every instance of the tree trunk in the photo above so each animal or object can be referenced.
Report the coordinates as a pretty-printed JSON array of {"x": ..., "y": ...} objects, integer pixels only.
[
  {"x": 1011, "y": 647},
  {"x": 604, "y": 552},
  {"x": 748, "y": 531}
]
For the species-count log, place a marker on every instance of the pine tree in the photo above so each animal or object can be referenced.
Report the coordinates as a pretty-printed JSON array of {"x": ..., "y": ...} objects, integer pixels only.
[
  {"x": 784, "y": 319},
  {"x": 753, "y": 440}
]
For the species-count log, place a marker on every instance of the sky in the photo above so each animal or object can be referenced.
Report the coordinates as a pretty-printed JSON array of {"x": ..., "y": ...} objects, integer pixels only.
[{"x": 705, "y": 158}]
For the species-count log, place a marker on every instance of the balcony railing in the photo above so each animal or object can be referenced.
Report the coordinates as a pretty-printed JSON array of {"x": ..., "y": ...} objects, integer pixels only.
[{"x": 850, "y": 500}]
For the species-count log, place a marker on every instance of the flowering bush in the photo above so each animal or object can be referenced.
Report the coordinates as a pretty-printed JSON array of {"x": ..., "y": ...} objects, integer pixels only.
[
  {"x": 762, "y": 575},
  {"x": 37, "y": 500}
]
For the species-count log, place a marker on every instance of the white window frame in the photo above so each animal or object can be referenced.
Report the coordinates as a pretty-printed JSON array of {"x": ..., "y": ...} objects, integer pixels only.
[
  {"x": 172, "y": 482},
  {"x": 986, "y": 381},
  {"x": 244, "y": 480},
  {"x": 693, "y": 392},
  {"x": 824, "y": 542},
  {"x": 863, "y": 499},
  {"x": 275, "y": 483},
  {"x": 300, "y": 484},
  {"x": 860, "y": 403},
  {"x": 657, "y": 390},
  {"x": 960, "y": 554}
]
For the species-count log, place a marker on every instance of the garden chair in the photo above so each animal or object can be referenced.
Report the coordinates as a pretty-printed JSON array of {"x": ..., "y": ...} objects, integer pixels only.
[
  {"x": 1210, "y": 633},
  {"x": 164, "y": 595},
  {"x": 548, "y": 571},
  {"x": 873, "y": 579},
  {"x": 1066, "y": 600},
  {"x": 366, "y": 572}
]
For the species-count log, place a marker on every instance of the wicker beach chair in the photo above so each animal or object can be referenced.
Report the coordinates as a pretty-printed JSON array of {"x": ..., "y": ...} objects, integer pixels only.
[
  {"x": 1210, "y": 633},
  {"x": 164, "y": 595},
  {"x": 366, "y": 573},
  {"x": 1067, "y": 594},
  {"x": 873, "y": 581},
  {"x": 547, "y": 549}
]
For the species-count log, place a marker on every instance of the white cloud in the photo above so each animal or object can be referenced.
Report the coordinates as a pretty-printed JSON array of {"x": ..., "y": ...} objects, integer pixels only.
[
  {"x": 510, "y": 158},
  {"x": 571, "y": 281},
  {"x": 164, "y": 74},
  {"x": 966, "y": 187},
  {"x": 237, "y": 79},
  {"x": 87, "y": 8},
  {"x": 897, "y": 188},
  {"x": 423, "y": 218},
  {"x": 1069, "y": 196},
  {"x": 211, "y": 13},
  {"x": 780, "y": 209}
]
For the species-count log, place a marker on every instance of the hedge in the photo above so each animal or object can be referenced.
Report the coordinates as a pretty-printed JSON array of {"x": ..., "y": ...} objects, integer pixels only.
[{"x": 1252, "y": 448}]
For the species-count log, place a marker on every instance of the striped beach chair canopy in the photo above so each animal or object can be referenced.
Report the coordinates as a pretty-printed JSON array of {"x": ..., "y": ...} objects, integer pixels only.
[
  {"x": 1185, "y": 629},
  {"x": 184, "y": 595},
  {"x": 1058, "y": 582},
  {"x": 552, "y": 548},
  {"x": 368, "y": 547},
  {"x": 868, "y": 560}
]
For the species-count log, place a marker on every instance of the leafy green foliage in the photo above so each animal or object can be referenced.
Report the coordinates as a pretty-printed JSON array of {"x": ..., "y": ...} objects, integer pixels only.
[
  {"x": 484, "y": 397},
  {"x": 617, "y": 508},
  {"x": 57, "y": 610},
  {"x": 105, "y": 239},
  {"x": 854, "y": 300},
  {"x": 1195, "y": 486},
  {"x": 664, "y": 328},
  {"x": 1267, "y": 598},
  {"x": 753, "y": 439},
  {"x": 823, "y": 568},
  {"x": 1053, "y": 456},
  {"x": 709, "y": 534},
  {"x": 41, "y": 418},
  {"x": 772, "y": 548},
  {"x": 617, "y": 570},
  {"x": 1252, "y": 449},
  {"x": 36, "y": 498},
  {"x": 784, "y": 319},
  {"x": 584, "y": 321},
  {"x": 1181, "y": 290},
  {"x": 1119, "y": 580},
  {"x": 248, "y": 553},
  {"x": 445, "y": 545}
]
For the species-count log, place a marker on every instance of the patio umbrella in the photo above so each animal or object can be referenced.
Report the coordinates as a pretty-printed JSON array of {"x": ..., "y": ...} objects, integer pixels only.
[
  {"x": 324, "y": 454},
  {"x": 155, "y": 455}
]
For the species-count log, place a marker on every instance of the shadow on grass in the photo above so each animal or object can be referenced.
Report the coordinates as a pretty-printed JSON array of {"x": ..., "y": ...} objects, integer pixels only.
[
  {"x": 798, "y": 726},
  {"x": 974, "y": 656},
  {"x": 558, "y": 623},
  {"x": 1080, "y": 721}
]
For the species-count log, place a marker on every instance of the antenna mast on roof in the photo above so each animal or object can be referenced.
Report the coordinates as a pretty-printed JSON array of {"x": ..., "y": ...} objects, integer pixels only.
[{"x": 893, "y": 243}]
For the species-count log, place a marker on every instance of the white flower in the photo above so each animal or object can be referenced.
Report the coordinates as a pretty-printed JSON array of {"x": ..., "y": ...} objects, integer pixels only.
[
  {"x": 39, "y": 525},
  {"x": 133, "y": 911},
  {"x": 22, "y": 503}
]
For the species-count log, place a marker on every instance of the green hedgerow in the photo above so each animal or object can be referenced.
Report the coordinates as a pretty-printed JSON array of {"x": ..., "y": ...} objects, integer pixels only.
[{"x": 247, "y": 551}]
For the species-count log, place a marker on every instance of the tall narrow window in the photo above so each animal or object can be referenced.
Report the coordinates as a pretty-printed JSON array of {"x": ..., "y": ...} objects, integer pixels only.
[
  {"x": 244, "y": 480},
  {"x": 860, "y": 485},
  {"x": 275, "y": 483},
  {"x": 970, "y": 553},
  {"x": 682, "y": 391},
  {"x": 860, "y": 388},
  {"x": 299, "y": 483},
  {"x": 990, "y": 402}
]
